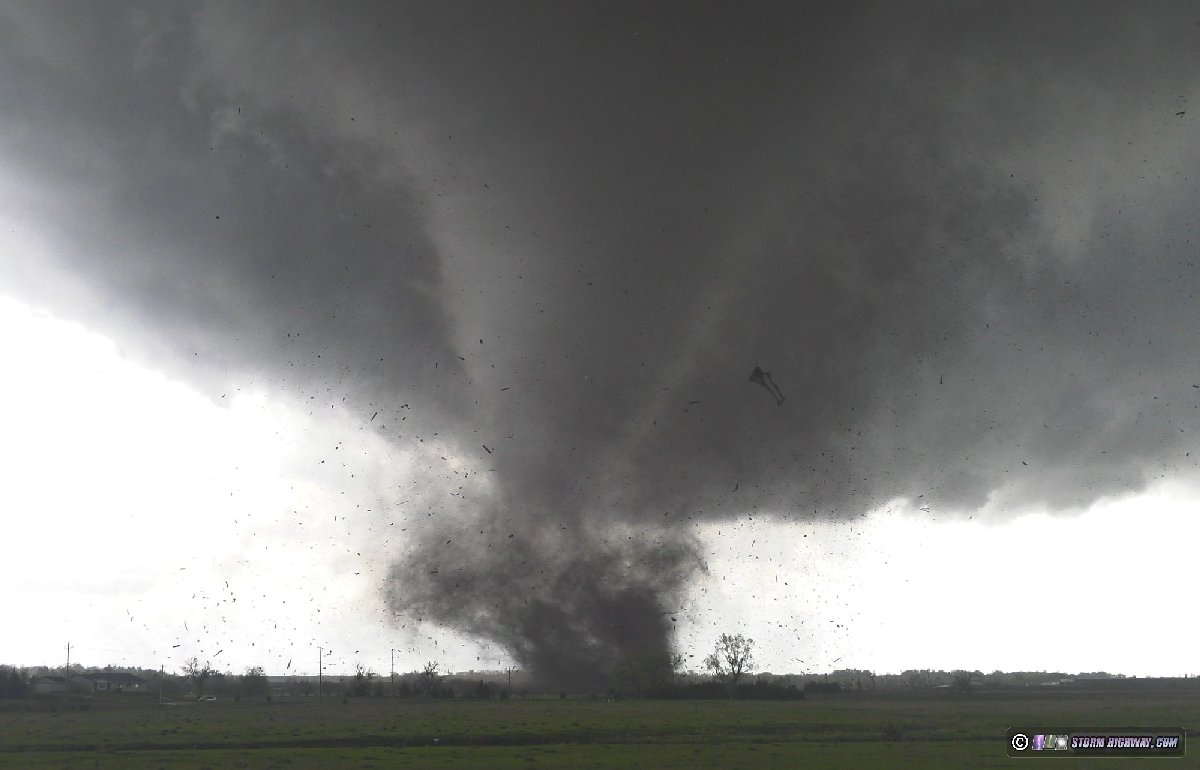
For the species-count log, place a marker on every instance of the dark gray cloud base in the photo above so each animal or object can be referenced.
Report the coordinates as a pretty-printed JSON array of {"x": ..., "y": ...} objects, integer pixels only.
[{"x": 959, "y": 237}]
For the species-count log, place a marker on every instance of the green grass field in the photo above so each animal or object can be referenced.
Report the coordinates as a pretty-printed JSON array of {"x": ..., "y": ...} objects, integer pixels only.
[{"x": 837, "y": 731}]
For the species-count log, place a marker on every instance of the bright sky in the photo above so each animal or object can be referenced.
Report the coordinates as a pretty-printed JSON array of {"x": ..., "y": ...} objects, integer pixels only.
[{"x": 139, "y": 511}]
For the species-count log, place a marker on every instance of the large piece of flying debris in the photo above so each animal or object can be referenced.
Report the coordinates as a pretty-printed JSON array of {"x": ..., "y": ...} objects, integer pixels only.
[{"x": 764, "y": 378}]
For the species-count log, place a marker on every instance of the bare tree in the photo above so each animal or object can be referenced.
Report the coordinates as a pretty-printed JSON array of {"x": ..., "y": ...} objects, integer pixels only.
[
  {"x": 199, "y": 674},
  {"x": 430, "y": 678},
  {"x": 649, "y": 675},
  {"x": 363, "y": 678},
  {"x": 731, "y": 659},
  {"x": 964, "y": 680}
]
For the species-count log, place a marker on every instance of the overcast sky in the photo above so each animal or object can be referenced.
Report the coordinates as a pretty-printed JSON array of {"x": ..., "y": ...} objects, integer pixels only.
[{"x": 430, "y": 327}]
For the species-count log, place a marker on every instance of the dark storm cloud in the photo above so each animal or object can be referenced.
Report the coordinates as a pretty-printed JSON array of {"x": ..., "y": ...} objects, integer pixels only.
[
  {"x": 245, "y": 243},
  {"x": 959, "y": 238}
]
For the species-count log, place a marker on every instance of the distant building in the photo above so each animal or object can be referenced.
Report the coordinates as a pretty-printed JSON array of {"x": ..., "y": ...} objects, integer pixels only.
[
  {"x": 49, "y": 685},
  {"x": 114, "y": 681},
  {"x": 84, "y": 683}
]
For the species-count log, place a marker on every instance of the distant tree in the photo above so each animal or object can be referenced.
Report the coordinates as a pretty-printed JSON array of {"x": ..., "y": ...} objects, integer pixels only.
[
  {"x": 962, "y": 681},
  {"x": 12, "y": 684},
  {"x": 254, "y": 682},
  {"x": 361, "y": 687},
  {"x": 822, "y": 686},
  {"x": 223, "y": 683},
  {"x": 732, "y": 658},
  {"x": 647, "y": 676},
  {"x": 430, "y": 679},
  {"x": 916, "y": 679},
  {"x": 198, "y": 674}
]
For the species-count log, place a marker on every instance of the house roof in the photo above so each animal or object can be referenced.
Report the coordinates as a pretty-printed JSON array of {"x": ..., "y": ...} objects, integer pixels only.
[{"x": 116, "y": 677}]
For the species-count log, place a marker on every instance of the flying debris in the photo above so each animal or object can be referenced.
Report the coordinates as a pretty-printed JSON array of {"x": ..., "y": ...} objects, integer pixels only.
[
  {"x": 374, "y": 415},
  {"x": 760, "y": 377},
  {"x": 485, "y": 448}
]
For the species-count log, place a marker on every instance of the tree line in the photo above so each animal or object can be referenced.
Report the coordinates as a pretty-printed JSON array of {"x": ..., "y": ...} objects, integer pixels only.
[
  {"x": 728, "y": 672},
  {"x": 645, "y": 676}
]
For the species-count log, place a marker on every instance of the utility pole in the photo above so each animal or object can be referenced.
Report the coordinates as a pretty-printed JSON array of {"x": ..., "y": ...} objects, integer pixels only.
[
  {"x": 393, "y": 675},
  {"x": 67, "y": 675},
  {"x": 160, "y": 682},
  {"x": 320, "y": 671}
]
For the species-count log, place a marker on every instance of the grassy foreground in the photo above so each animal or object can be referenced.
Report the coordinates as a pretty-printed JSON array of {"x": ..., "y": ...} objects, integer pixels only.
[{"x": 839, "y": 731}]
